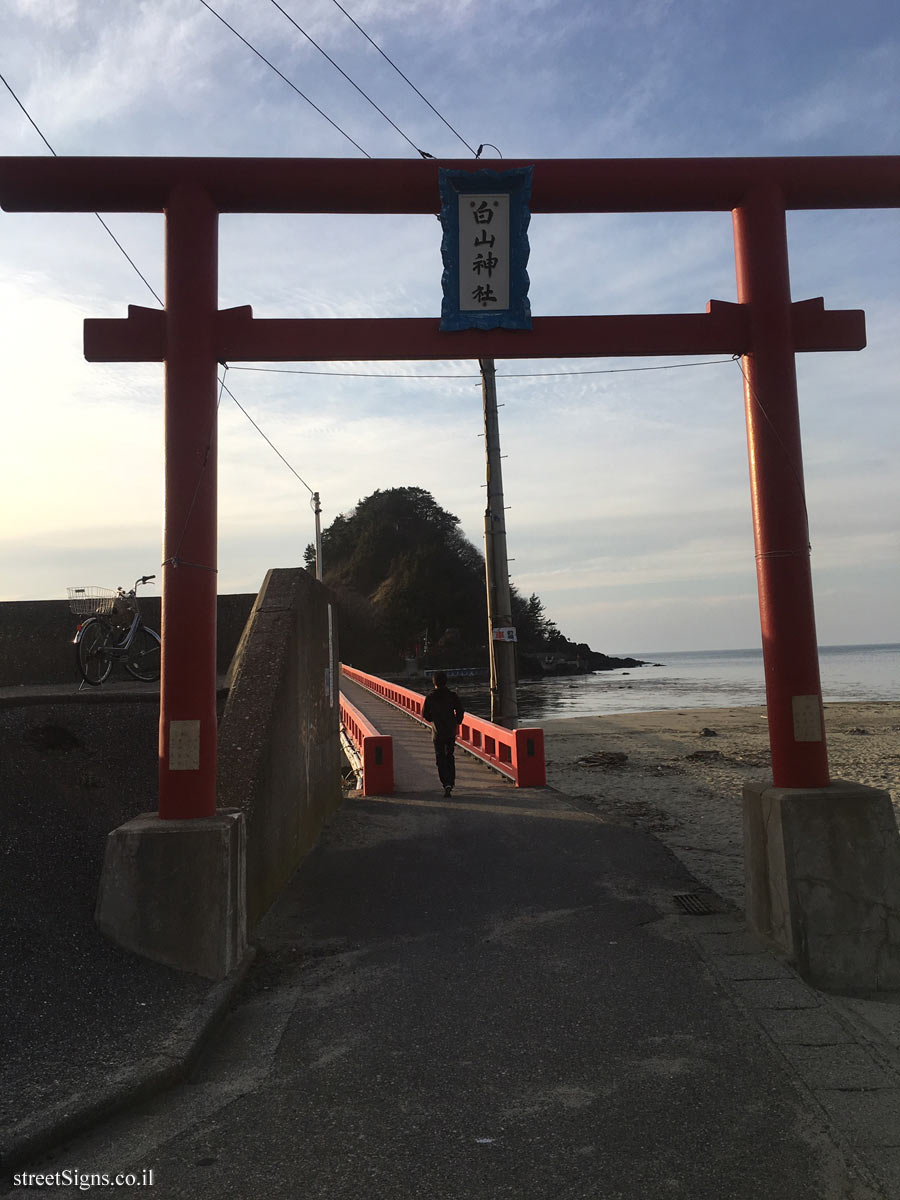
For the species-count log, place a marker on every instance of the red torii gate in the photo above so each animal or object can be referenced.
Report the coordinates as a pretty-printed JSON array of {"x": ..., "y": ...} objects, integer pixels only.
[{"x": 192, "y": 336}]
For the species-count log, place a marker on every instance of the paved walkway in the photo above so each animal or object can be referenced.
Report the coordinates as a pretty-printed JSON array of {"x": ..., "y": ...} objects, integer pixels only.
[{"x": 496, "y": 995}]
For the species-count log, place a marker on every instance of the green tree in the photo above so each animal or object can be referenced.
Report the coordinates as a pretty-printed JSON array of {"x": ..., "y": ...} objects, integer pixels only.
[{"x": 404, "y": 573}]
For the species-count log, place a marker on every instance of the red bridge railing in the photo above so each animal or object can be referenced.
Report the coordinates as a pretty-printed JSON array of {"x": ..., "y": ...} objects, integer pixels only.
[
  {"x": 376, "y": 750},
  {"x": 516, "y": 753}
]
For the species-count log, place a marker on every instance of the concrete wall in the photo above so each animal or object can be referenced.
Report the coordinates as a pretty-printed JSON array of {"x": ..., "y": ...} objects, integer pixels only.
[
  {"x": 279, "y": 739},
  {"x": 36, "y": 638}
]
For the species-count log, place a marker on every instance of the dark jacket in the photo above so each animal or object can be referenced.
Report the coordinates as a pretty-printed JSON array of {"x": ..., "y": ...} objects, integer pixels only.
[{"x": 442, "y": 707}]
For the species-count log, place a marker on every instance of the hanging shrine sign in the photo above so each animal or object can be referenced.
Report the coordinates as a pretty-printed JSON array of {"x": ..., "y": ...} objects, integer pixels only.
[{"x": 484, "y": 216}]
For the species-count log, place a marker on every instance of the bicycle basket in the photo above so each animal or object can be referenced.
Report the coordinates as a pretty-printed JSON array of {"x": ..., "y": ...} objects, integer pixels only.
[{"x": 91, "y": 600}]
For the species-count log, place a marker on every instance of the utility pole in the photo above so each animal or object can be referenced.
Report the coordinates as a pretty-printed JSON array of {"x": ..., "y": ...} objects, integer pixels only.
[
  {"x": 317, "y": 509},
  {"x": 504, "y": 705}
]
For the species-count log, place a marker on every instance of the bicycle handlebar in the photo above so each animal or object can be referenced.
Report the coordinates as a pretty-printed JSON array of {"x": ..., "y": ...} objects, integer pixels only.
[{"x": 143, "y": 579}]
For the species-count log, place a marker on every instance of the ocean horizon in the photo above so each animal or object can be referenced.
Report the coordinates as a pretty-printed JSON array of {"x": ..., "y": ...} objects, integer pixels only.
[
  {"x": 750, "y": 650},
  {"x": 683, "y": 679}
]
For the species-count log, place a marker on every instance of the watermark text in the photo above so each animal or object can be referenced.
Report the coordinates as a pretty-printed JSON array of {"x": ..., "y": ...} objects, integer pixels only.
[{"x": 84, "y": 1180}]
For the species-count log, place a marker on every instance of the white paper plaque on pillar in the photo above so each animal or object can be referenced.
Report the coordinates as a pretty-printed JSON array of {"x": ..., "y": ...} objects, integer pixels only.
[
  {"x": 184, "y": 745},
  {"x": 807, "y": 718}
]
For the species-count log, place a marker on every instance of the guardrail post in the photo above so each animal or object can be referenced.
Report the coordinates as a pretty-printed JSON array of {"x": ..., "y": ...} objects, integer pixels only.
[
  {"x": 378, "y": 765},
  {"x": 531, "y": 770}
]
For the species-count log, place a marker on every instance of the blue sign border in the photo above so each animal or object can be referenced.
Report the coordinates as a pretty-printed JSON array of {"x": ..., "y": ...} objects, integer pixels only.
[{"x": 516, "y": 182}]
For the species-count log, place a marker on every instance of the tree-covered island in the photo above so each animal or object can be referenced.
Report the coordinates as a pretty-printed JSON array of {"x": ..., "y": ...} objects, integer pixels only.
[{"x": 410, "y": 590}]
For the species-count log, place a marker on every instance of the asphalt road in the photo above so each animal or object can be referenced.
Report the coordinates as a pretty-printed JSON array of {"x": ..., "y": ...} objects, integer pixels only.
[
  {"x": 491, "y": 996},
  {"x": 486, "y": 997}
]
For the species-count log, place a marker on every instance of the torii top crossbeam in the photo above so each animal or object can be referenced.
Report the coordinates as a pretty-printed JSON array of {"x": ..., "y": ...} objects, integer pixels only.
[
  {"x": 192, "y": 335},
  {"x": 335, "y": 185}
]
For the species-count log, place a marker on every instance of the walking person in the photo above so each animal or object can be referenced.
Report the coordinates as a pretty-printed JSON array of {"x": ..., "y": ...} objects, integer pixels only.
[{"x": 443, "y": 709}]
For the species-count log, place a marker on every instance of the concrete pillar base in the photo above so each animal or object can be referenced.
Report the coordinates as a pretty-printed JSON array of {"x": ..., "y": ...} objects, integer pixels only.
[
  {"x": 175, "y": 891},
  {"x": 822, "y": 872}
]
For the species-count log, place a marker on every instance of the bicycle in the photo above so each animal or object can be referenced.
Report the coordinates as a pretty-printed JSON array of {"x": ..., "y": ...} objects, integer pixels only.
[{"x": 113, "y": 632}]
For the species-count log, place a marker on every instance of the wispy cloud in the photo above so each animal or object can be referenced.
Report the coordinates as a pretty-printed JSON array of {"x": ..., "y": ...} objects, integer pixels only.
[{"x": 858, "y": 95}]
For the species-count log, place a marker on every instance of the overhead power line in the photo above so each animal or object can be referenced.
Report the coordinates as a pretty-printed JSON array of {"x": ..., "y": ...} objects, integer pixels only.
[
  {"x": 280, "y": 75},
  {"x": 134, "y": 265},
  {"x": 28, "y": 116},
  {"x": 262, "y": 435},
  {"x": 141, "y": 276},
  {"x": 712, "y": 362},
  {"x": 352, "y": 82},
  {"x": 40, "y": 134},
  {"x": 405, "y": 78}
]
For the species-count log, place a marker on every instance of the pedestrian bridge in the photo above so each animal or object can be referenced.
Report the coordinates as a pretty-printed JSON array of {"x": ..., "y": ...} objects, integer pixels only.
[{"x": 384, "y": 724}]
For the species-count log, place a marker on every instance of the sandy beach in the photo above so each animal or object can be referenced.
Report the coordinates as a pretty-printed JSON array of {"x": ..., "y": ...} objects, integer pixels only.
[{"x": 683, "y": 771}]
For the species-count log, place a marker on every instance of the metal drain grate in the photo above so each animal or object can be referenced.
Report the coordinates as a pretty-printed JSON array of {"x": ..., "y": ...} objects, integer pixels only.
[{"x": 697, "y": 904}]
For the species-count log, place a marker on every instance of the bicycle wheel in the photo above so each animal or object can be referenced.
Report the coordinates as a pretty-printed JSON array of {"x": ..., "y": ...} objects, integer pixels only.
[
  {"x": 90, "y": 651},
  {"x": 142, "y": 660}
]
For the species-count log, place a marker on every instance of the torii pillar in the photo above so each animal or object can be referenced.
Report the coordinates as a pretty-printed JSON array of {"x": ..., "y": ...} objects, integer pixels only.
[
  {"x": 187, "y": 725},
  {"x": 190, "y": 855},
  {"x": 780, "y": 523}
]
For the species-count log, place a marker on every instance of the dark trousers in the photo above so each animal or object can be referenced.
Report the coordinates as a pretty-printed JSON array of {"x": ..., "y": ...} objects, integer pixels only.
[{"x": 446, "y": 764}]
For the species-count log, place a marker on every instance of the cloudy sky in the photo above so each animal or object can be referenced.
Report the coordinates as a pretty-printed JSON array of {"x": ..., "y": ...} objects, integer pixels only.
[{"x": 629, "y": 502}]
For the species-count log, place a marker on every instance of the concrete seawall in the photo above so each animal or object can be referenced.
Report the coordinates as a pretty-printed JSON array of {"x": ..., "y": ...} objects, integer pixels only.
[
  {"x": 279, "y": 737},
  {"x": 36, "y": 637}
]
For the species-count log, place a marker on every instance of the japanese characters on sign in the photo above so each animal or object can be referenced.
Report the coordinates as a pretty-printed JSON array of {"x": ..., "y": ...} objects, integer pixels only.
[
  {"x": 506, "y": 634},
  {"x": 485, "y": 215},
  {"x": 483, "y": 252}
]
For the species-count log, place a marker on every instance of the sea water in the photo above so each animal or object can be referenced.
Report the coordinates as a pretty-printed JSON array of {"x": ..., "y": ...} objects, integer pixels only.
[{"x": 698, "y": 679}]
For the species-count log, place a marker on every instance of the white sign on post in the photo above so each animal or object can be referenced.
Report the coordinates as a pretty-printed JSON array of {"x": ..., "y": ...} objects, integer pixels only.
[
  {"x": 505, "y": 635},
  {"x": 483, "y": 252},
  {"x": 184, "y": 745}
]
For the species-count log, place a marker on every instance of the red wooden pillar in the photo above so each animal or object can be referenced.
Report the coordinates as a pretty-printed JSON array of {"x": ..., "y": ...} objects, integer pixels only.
[
  {"x": 790, "y": 652},
  {"x": 187, "y": 717}
]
